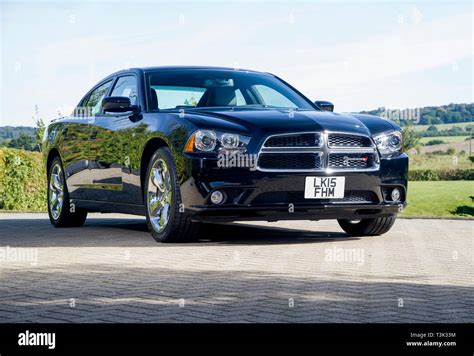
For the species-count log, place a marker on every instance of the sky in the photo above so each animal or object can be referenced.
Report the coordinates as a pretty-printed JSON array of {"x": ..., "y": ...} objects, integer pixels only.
[{"x": 360, "y": 55}]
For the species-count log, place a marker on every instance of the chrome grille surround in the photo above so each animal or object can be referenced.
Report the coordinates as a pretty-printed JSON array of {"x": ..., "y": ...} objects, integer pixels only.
[{"x": 324, "y": 151}]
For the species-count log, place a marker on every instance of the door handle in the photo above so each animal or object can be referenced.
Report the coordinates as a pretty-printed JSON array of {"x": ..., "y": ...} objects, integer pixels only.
[{"x": 93, "y": 135}]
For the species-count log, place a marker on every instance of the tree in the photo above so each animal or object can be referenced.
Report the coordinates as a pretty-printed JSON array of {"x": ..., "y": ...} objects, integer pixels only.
[
  {"x": 25, "y": 142},
  {"x": 456, "y": 117},
  {"x": 410, "y": 138},
  {"x": 40, "y": 127}
]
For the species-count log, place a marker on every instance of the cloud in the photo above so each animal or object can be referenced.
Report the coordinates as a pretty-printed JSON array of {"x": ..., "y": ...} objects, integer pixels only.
[
  {"x": 62, "y": 71},
  {"x": 412, "y": 48}
]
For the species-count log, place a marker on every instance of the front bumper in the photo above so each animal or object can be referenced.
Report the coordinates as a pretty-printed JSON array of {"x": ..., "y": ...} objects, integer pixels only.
[
  {"x": 320, "y": 212},
  {"x": 283, "y": 193}
]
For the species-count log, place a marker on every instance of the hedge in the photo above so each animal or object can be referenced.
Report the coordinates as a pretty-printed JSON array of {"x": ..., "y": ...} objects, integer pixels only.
[
  {"x": 22, "y": 180},
  {"x": 431, "y": 174}
]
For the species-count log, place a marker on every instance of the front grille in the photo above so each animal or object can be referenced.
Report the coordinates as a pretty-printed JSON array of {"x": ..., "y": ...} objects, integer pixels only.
[
  {"x": 294, "y": 140},
  {"x": 350, "y": 197},
  {"x": 341, "y": 140},
  {"x": 318, "y": 151},
  {"x": 289, "y": 161},
  {"x": 350, "y": 160}
]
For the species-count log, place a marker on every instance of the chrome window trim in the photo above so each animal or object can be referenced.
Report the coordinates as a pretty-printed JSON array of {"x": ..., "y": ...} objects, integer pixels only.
[{"x": 323, "y": 150}]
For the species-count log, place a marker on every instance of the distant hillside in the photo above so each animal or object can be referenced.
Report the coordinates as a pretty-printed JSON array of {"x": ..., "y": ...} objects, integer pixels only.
[
  {"x": 18, "y": 137},
  {"x": 434, "y": 115},
  {"x": 11, "y": 132}
]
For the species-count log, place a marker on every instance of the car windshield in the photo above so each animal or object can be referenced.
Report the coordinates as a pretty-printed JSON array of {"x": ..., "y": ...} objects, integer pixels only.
[{"x": 207, "y": 88}]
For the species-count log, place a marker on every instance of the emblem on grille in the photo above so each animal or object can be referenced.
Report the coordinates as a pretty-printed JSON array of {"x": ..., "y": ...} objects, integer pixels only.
[{"x": 346, "y": 160}]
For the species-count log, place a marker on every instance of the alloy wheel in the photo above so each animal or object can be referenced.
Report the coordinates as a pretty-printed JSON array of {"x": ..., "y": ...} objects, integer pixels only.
[
  {"x": 56, "y": 191},
  {"x": 159, "y": 195}
]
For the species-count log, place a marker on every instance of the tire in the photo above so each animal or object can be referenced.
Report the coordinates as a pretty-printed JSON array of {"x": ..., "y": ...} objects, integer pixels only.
[
  {"x": 162, "y": 198},
  {"x": 367, "y": 227},
  {"x": 60, "y": 211}
]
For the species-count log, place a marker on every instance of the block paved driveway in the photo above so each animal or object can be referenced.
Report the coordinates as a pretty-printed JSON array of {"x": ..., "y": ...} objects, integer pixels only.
[{"x": 111, "y": 270}]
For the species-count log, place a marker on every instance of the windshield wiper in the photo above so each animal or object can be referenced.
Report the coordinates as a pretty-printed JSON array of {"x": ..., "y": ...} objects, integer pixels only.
[
  {"x": 233, "y": 107},
  {"x": 268, "y": 106}
]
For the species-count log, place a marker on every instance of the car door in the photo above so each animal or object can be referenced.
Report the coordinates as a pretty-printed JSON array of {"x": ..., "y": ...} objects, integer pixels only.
[
  {"x": 109, "y": 140},
  {"x": 75, "y": 142}
]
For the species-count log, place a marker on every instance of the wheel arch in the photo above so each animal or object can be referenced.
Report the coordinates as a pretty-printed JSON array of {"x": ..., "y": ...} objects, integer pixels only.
[
  {"x": 150, "y": 147},
  {"x": 53, "y": 152}
]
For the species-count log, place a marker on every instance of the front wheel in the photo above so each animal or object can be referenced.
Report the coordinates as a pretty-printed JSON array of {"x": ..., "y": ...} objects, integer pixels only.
[
  {"x": 166, "y": 218},
  {"x": 61, "y": 212},
  {"x": 367, "y": 227}
]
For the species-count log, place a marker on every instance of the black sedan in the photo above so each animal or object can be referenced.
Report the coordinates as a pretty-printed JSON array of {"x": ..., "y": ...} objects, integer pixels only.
[{"x": 186, "y": 145}]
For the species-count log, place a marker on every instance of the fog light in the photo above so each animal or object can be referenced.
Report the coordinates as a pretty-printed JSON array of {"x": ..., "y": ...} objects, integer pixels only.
[
  {"x": 217, "y": 197},
  {"x": 395, "y": 195}
]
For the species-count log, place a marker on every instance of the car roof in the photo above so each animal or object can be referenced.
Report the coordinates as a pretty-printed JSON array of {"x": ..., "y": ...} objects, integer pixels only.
[
  {"x": 160, "y": 68},
  {"x": 196, "y": 67}
]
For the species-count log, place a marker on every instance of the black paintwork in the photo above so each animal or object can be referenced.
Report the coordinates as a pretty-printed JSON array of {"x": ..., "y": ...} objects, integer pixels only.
[{"x": 104, "y": 158}]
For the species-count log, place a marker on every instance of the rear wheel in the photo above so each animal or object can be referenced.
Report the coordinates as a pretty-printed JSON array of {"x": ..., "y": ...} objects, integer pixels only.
[
  {"x": 367, "y": 227},
  {"x": 167, "y": 219},
  {"x": 61, "y": 212}
]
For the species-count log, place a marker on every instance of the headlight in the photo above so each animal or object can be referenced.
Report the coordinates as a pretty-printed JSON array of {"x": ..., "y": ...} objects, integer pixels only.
[
  {"x": 230, "y": 141},
  {"x": 389, "y": 143},
  {"x": 214, "y": 141},
  {"x": 205, "y": 140}
]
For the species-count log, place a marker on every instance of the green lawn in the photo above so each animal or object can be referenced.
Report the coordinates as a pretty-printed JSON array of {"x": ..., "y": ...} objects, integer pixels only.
[
  {"x": 445, "y": 139},
  {"x": 441, "y": 162},
  {"x": 442, "y": 126},
  {"x": 443, "y": 198}
]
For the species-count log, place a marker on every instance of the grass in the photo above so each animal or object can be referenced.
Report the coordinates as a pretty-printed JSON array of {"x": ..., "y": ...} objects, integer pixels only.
[
  {"x": 445, "y": 139},
  {"x": 442, "y": 198},
  {"x": 442, "y": 126},
  {"x": 440, "y": 162}
]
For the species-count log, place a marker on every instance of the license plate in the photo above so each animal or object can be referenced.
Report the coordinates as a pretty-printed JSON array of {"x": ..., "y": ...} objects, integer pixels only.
[{"x": 324, "y": 187}]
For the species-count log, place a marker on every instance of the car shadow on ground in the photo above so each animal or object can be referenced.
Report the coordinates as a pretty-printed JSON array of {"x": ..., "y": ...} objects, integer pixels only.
[
  {"x": 134, "y": 233},
  {"x": 248, "y": 234}
]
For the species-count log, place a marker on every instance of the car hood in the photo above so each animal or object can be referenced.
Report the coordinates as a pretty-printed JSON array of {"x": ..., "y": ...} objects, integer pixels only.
[{"x": 272, "y": 121}]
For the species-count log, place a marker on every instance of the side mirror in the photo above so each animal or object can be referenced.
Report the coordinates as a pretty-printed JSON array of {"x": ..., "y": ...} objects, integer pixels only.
[
  {"x": 325, "y": 105},
  {"x": 119, "y": 104}
]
